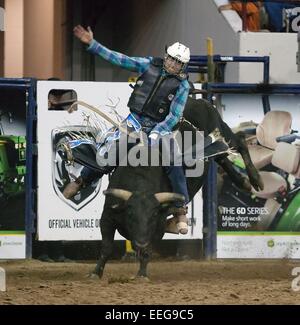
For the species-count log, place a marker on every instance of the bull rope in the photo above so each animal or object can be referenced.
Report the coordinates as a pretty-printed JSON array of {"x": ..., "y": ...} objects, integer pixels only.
[{"x": 72, "y": 108}]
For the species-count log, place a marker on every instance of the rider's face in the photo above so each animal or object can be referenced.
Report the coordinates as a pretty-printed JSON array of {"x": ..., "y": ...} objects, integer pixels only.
[{"x": 172, "y": 65}]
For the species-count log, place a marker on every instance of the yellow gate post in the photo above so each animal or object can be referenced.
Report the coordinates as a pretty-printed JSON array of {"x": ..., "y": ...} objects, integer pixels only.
[
  {"x": 210, "y": 60},
  {"x": 129, "y": 249}
]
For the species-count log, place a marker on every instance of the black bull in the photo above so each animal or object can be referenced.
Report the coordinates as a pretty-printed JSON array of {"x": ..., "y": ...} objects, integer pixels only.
[{"x": 139, "y": 199}]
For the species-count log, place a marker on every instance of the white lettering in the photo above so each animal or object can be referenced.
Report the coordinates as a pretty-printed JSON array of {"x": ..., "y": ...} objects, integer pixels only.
[
  {"x": 296, "y": 281},
  {"x": 128, "y": 315},
  {"x": 295, "y": 22},
  {"x": 226, "y": 58}
]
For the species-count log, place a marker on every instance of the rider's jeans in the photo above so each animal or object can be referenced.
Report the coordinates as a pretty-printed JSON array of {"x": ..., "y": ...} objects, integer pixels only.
[
  {"x": 178, "y": 180},
  {"x": 89, "y": 175},
  {"x": 174, "y": 171}
]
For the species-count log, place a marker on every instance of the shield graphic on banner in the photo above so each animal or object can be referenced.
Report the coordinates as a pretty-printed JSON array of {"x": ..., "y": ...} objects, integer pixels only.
[{"x": 65, "y": 171}]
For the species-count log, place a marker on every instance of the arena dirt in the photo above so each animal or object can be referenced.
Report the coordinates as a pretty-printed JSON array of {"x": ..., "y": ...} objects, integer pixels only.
[{"x": 171, "y": 282}]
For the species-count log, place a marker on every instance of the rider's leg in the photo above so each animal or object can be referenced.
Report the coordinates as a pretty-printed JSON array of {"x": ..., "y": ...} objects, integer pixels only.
[
  {"x": 87, "y": 176},
  {"x": 176, "y": 175},
  {"x": 178, "y": 181},
  {"x": 171, "y": 153},
  {"x": 179, "y": 185}
]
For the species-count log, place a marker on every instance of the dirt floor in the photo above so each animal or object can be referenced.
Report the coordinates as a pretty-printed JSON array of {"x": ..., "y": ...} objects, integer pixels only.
[{"x": 171, "y": 282}]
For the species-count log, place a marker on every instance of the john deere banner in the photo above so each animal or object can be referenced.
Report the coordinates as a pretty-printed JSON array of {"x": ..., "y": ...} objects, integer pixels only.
[
  {"x": 78, "y": 217},
  {"x": 12, "y": 173},
  {"x": 264, "y": 223}
]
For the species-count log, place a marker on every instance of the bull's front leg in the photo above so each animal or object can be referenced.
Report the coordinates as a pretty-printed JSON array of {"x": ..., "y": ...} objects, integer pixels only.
[
  {"x": 144, "y": 258},
  {"x": 108, "y": 233}
]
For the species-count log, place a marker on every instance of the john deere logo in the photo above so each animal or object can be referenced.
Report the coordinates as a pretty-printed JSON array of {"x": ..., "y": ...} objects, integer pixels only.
[{"x": 271, "y": 243}]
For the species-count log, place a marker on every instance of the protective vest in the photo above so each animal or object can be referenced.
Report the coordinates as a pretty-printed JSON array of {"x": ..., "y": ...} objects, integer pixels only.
[{"x": 153, "y": 93}]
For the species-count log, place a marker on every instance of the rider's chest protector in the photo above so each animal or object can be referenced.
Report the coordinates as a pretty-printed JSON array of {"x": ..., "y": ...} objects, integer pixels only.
[{"x": 153, "y": 93}]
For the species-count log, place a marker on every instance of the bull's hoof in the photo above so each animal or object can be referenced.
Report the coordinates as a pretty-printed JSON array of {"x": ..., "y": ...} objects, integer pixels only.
[
  {"x": 93, "y": 276},
  {"x": 140, "y": 279}
]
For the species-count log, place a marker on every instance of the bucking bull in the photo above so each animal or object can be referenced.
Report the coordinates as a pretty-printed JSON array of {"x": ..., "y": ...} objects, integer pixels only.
[{"x": 139, "y": 199}]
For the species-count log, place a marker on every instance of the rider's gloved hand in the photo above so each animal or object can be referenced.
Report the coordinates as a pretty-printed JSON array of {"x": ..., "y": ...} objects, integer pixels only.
[{"x": 153, "y": 139}]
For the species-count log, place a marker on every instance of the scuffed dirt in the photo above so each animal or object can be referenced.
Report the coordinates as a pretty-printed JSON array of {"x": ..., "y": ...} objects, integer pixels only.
[{"x": 171, "y": 282}]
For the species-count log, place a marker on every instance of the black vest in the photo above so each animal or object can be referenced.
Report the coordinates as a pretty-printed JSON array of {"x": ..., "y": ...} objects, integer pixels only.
[{"x": 153, "y": 94}]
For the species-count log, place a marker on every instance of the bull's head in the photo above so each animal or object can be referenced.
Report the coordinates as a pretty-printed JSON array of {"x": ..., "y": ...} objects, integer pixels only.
[{"x": 145, "y": 214}]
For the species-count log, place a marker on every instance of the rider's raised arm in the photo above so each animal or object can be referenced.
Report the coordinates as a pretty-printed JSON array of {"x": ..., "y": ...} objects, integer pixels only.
[
  {"x": 136, "y": 64},
  {"x": 176, "y": 110}
]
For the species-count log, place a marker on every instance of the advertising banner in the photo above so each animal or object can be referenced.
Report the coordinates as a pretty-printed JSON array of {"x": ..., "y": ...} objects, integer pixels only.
[
  {"x": 12, "y": 173},
  {"x": 264, "y": 223},
  {"x": 78, "y": 217}
]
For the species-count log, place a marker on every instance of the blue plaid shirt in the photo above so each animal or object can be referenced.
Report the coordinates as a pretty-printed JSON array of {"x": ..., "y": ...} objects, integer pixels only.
[{"x": 140, "y": 65}]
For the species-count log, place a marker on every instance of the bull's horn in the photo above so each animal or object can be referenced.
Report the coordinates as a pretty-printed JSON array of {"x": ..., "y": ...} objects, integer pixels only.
[
  {"x": 168, "y": 197},
  {"x": 121, "y": 194}
]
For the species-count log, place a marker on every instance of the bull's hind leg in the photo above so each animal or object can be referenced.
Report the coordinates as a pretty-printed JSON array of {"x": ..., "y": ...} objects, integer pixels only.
[
  {"x": 241, "y": 181},
  {"x": 108, "y": 233},
  {"x": 254, "y": 177},
  {"x": 239, "y": 143}
]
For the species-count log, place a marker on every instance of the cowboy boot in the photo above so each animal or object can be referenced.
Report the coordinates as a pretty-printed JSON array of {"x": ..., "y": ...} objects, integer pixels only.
[
  {"x": 182, "y": 221},
  {"x": 178, "y": 224},
  {"x": 72, "y": 188}
]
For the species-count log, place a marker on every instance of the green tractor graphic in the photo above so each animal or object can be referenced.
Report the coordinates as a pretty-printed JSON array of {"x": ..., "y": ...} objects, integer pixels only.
[{"x": 12, "y": 164}]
